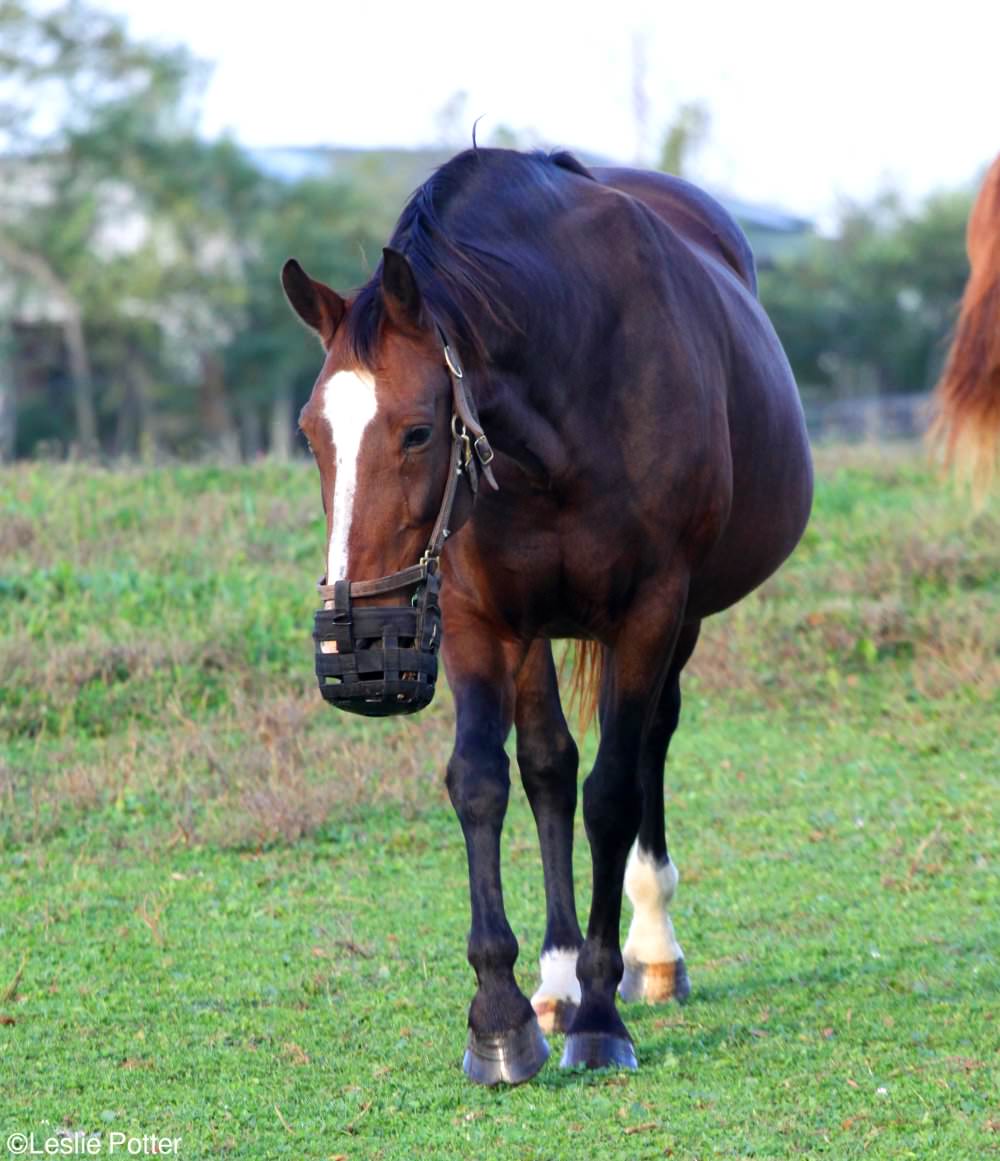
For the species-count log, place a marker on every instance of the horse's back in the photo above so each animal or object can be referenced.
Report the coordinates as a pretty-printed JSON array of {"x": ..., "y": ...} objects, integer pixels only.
[{"x": 693, "y": 214}]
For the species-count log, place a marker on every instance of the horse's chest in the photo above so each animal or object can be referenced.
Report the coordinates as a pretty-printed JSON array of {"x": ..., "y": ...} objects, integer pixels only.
[{"x": 556, "y": 583}]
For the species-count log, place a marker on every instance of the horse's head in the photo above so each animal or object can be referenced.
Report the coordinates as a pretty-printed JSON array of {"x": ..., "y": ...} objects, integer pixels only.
[{"x": 392, "y": 436}]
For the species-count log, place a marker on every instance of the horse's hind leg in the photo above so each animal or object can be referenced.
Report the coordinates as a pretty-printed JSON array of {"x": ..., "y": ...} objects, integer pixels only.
[
  {"x": 654, "y": 963},
  {"x": 635, "y": 672},
  {"x": 547, "y": 758}
]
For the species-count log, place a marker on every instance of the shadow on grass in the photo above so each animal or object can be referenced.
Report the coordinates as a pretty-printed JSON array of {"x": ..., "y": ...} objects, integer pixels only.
[
  {"x": 936, "y": 973},
  {"x": 932, "y": 969}
]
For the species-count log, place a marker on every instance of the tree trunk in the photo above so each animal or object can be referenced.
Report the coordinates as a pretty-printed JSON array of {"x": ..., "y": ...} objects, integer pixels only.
[
  {"x": 250, "y": 430},
  {"x": 220, "y": 433},
  {"x": 123, "y": 442},
  {"x": 8, "y": 400},
  {"x": 83, "y": 386},
  {"x": 282, "y": 431},
  {"x": 8, "y": 416},
  {"x": 142, "y": 385}
]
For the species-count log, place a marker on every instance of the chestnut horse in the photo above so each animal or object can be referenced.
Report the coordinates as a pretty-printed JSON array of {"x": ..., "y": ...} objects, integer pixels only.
[
  {"x": 967, "y": 422},
  {"x": 590, "y": 342}
]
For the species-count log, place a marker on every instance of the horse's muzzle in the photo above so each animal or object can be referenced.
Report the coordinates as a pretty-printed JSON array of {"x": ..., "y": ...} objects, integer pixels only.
[{"x": 379, "y": 660}]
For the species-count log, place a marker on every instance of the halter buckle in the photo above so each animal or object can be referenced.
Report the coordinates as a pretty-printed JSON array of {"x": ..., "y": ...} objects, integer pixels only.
[{"x": 460, "y": 432}]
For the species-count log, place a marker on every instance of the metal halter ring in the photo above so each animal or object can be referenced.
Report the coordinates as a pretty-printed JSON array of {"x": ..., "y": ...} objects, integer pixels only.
[{"x": 454, "y": 366}]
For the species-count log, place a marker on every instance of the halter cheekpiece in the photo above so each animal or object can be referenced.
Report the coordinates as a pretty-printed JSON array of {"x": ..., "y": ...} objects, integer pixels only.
[{"x": 381, "y": 660}]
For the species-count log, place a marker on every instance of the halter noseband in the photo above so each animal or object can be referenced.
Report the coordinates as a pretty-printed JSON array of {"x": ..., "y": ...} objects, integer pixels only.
[{"x": 383, "y": 660}]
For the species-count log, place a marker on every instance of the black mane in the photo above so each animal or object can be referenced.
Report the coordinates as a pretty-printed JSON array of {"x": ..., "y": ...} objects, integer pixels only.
[{"x": 451, "y": 231}]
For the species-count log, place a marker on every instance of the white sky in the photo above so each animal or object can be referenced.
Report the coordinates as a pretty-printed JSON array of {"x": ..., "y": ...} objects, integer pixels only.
[{"x": 809, "y": 102}]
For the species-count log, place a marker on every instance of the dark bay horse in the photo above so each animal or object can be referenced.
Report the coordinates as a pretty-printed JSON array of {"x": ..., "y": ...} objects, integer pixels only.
[{"x": 591, "y": 343}]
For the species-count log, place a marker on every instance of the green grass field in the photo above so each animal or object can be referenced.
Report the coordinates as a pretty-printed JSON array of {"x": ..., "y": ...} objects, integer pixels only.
[{"x": 231, "y": 916}]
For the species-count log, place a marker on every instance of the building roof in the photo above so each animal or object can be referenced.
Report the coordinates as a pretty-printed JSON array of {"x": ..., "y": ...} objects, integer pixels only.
[{"x": 410, "y": 167}]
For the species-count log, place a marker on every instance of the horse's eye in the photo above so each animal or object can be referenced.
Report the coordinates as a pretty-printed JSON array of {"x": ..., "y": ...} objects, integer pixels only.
[{"x": 417, "y": 436}]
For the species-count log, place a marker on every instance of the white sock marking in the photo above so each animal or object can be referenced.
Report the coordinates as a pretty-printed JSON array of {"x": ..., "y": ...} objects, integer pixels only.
[
  {"x": 349, "y": 406},
  {"x": 559, "y": 982},
  {"x": 650, "y": 885}
]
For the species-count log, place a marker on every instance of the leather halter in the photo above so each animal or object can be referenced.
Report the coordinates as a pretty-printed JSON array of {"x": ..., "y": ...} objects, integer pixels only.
[{"x": 470, "y": 453}]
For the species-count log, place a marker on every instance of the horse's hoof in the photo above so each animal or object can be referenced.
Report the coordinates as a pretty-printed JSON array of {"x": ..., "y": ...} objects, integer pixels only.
[
  {"x": 598, "y": 1050},
  {"x": 655, "y": 983},
  {"x": 554, "y": 1016},
  {"x": 506, "y": 1057}
]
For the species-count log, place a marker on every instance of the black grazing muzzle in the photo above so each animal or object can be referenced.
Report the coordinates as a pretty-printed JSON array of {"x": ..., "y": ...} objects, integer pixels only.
[{"x": 379, "y": 660}]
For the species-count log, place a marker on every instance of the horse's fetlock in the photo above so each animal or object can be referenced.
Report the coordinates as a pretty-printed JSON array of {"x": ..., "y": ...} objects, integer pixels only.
[
  {"x": 492, "y": 951},
  {"x": 599, "y": 965}
]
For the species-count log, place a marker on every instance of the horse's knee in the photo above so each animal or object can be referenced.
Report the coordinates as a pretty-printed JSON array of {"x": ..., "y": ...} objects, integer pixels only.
[
  {"x": 612, "y": 808},
  {"x": 548, "y": 768},
  {"x": 478, "y": 782}
]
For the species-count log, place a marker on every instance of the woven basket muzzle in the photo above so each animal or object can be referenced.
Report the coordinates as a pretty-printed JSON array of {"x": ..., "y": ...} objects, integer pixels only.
[{"x": 385, "y": 659}]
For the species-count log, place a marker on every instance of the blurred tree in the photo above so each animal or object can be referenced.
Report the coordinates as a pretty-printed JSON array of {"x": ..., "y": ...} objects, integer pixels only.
[
  {"x": 181, "y": 293},
  {"x": 330, "y": 226},
  {"x": 155, "y": 252},
  {"x": 684, "y": 138},
  {"x": 139, "y": 263},
  {"x": 868, "y": 311},
  {"x": 67, "y": 74},
  {"x": 59, "y": 64},
  {"x": 453, "y": 122},
  {"x": 33, "y": 266}
]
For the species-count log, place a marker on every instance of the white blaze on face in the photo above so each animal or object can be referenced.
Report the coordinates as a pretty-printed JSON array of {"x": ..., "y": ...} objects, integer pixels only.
[
  {"x": 349, "y": 406},
  {"x": 650, "y": 886}
]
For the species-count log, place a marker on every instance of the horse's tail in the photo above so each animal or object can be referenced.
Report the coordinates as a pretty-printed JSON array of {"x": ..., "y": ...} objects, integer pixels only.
[
  {"x": 967, "y": 400},
  {"x": 585, "y": 684}
]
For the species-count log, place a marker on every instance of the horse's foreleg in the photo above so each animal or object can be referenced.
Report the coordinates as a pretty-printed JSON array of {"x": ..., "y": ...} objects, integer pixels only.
[
  {"x": 612, "y": 809},
  {"x": 654, "y": 962},
  {"x": 505, "y": 1042},
  {"x": 547, "y": 759}
]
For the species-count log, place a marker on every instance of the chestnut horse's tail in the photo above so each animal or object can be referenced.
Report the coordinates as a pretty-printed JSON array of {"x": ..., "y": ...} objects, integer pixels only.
[
  {"x": 585, "y": 684},
  {"x": 967, "y": 400}
]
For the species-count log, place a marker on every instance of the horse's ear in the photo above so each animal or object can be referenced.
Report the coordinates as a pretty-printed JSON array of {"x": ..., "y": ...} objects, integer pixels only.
[
  {"x": 319, "y": 307},
  {"x": 400, "y": 293}
]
